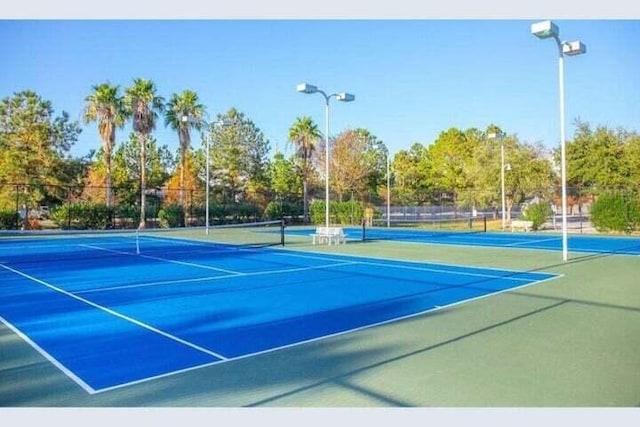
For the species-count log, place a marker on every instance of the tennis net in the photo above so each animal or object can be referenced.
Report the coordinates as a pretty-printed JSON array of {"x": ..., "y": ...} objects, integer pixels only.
[
  {"x": 42, "y": 246},
  {"x": 422, "y": 229}
]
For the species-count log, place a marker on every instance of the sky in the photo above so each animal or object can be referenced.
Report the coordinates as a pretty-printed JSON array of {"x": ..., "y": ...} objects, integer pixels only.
[{"x": 413, "y": 78}]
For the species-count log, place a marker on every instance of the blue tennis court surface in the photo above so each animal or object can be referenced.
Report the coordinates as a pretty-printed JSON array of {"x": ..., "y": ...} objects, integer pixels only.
[
  {"x": 549, "y": 241},
  {"x": 108, "y": 316}
]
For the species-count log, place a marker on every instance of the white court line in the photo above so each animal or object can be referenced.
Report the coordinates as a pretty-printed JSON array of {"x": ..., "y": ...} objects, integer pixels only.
[
  {"x": 230, "y": 276},
  {"x": 426, "y": 269},
  {"x": 172, "y": 261},
  {"x": 86, "y": 387},
  {"x": 115, "y": 313},
  {"x": 527, "y": 242}
]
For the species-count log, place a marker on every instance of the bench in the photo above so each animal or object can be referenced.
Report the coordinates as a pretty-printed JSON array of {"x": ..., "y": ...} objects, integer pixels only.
[
  {"x": 329, "y": 235},
  {"x": 521, "y": 224}
]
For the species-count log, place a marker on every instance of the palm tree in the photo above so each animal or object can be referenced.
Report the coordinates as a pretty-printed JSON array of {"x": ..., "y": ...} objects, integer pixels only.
[
  {"x": 183, "y": 113},
  {"x": 106, "y": 106},
  {"x": 144, "y": 106},
  {"x": 304, "y": 134}
]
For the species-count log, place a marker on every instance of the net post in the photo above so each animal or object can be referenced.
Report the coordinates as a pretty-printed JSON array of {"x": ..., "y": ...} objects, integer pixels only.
[
  {"x": 363, "y": 230},
  {"x": 282, "y": 232},
  {"x": 484, "y": 222}
]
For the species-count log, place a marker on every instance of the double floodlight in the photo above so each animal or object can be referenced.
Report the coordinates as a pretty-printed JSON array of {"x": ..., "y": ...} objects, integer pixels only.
[
  {"x": 547, "y": 29},
  {"x": 342, "y": 96}
]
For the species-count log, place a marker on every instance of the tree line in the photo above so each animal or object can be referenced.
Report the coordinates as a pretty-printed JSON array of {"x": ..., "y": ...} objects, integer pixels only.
[{"x": 462, "y": 165}]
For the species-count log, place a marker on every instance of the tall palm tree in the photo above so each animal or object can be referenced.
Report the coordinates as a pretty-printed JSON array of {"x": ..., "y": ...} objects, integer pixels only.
[
  {"x": 184, "y": 113},
  {"x": 106, "y": 106},
  {"x": 144, "y": 106},
  {"x": 304, "y": 134}
]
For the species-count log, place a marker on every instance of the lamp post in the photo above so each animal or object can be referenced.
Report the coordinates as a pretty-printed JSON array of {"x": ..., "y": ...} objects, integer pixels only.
[
  {"x": 219, "y": 124},
  {"x": 343, "y": 97},
  {"x": 207, "y": 138},
  {"x": 545, "y": 30},
  {"x": 494, "y": 135},
  {"x": 388, "y": 193}
]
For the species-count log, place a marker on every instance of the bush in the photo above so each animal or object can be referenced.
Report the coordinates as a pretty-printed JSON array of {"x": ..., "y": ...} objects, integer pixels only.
[
  {"x": 537, "y": 213},
  {"x": 277, "y": 210},
  {"x": 127, "y": 216},
  {"x": 83, "y": 216},
  {"x": 616, "y": 212},
  {"x": 9, "y": 220},
  {"x": 343, "y": 213},
  {"x": 171, "y": 216}
]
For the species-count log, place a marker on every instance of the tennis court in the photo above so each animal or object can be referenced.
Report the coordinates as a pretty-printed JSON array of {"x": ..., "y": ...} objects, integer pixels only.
[
  {"x": 476, "y": 237},
  {"x": 118, "y": 309}
]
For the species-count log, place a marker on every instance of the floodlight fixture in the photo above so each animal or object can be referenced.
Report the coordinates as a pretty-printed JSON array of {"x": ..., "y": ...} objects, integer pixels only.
[
  {"x": 545, "y": 30},
  {"x": 345, "y": 97},
  {"x": 306, "y": 88},
  {"x": 573, "y": 48}
]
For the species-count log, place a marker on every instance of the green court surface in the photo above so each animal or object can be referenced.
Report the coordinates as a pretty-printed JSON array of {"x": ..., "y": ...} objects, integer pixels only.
[{"x": 569, "y": 342}]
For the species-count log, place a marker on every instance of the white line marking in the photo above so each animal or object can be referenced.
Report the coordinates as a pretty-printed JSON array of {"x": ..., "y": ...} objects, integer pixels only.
[
  {"x": 406, "y": 267},
  {"x": 115, "y": 313},
  {"x": 527, "y": 242},
  {"x": 188, "y": 264},
  {"x": 230, "y": 276},
  {"x": 50, "y": 358}
]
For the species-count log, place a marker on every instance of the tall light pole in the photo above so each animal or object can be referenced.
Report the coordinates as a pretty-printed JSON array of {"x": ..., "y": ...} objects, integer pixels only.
[
  {"x": 219, "y": 124},
  {"x": 207, "y": 139},
  {"x": 545, "y": 30},
  {"x": 388, "y": 193},
  {"x": 500, "y": 136},
  {"x": 343, "y": 97}
]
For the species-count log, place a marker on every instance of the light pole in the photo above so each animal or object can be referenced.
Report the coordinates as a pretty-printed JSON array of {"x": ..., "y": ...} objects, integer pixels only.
[
  {"x": 207, "y": 138},
  {"x": 219, "y": 124},
  {"x": 388, "y": 193},
  {"x": 494, "y": 135},
  {"x": 545, "y": 30},
  {"x": 343, "y": 97}
]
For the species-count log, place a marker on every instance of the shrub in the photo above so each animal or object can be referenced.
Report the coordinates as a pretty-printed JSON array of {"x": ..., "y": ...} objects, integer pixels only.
[
  {"x": 9, "y": 220},
  {"x": 538, "y": 213},
  {"x": 171, "y": 216},
  {"x": 83, "y": 216},
  {"x": 277, "y": 210},
  {"x": 616, "y": 212},
  {"x": 344, "y": 213}
]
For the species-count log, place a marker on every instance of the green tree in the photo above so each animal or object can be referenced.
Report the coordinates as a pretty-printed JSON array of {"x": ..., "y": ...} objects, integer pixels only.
[
  {"x": 34, "y": 146},
  {"x": 144, "y": 106},
  {"x": 600, "y": 158},
  {"x": 632, "y": 157},
  {"x": 284, "y": 178},
  {"x": 239, "y": 158},
  {"x": 304, "y": 135},
  {"x": 451, "y": 156},
  {"x": 184, "y": 112},
  {"x": 412, "y": 175},
  {"x": 357, "y": 160},
  {"x": 106, "y": 107},
  {"x": 127, "y": 171}
]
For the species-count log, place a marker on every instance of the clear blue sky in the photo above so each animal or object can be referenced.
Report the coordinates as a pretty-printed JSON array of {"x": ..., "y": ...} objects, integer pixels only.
[{"x": 412, "y": 78}]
